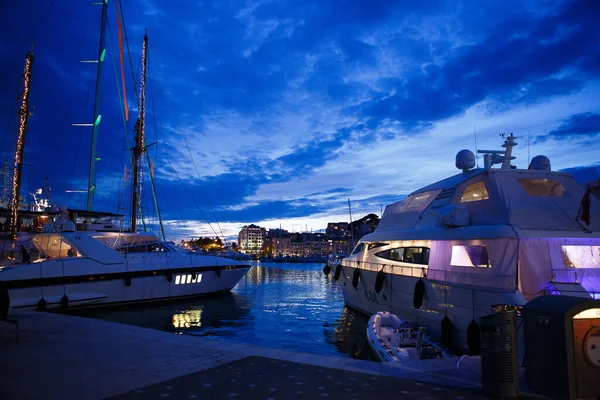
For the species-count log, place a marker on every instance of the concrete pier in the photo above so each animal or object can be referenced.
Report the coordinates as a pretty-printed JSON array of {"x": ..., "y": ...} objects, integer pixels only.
[{"x": 65, "y": 357}]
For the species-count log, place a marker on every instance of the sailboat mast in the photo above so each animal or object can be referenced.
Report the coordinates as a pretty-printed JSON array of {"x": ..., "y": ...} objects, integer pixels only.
[
  {"x": 139, "y": 148},
  {"x": 18, "y": 164},
  {"x": 97, "y": 116}
]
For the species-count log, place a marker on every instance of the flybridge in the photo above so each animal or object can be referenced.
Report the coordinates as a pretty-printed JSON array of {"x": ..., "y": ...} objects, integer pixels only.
[{"x": 465, "y": 159}]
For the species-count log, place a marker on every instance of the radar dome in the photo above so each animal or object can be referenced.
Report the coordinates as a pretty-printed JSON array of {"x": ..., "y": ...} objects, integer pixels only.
[
  {"x": 465, "y": 160},
  {"x": 541, "y": 163}
]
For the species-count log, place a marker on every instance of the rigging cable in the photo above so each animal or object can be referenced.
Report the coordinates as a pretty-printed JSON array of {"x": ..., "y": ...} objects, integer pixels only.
[
  {"x": 85, "y": 104},
  {"x": 122, "y": 104},
  {"x": 194, "y": 163}
]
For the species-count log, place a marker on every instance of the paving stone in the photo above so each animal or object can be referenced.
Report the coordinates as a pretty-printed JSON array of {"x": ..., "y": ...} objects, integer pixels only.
[{"x": 312, "y": 380}]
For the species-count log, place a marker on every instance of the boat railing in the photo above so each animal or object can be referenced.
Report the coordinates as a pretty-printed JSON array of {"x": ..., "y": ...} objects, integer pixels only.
[{"x": 416, "y": 271}]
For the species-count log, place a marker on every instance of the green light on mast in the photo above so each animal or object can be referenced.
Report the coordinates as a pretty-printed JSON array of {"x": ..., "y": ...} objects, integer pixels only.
[
  {"x": 102, "y": 55},
  {"x": 97, "y": 121}
]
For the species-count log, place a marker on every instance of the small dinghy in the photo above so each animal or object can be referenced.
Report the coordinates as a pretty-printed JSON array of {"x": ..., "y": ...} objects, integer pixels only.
[{"x": 395, "y": 340}]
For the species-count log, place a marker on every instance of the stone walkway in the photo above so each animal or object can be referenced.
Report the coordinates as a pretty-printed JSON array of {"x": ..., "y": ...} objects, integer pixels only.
[
  {"x": 66, "y": 357},
  {"x": 267, "y": 378}
]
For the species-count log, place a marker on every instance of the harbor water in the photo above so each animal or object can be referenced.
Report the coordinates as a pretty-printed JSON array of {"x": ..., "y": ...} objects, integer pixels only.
[{"x": 290, "y": 306}]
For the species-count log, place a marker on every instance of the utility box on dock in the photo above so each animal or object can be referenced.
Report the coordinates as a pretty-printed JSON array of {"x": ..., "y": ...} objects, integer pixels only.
[
  {"x": 499, "y": 360},
  {"x": 562, "y": 346}
]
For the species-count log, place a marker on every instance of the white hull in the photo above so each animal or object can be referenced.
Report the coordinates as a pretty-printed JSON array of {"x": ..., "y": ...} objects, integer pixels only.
[
  {"x": 464, "y": 304},
  {"x": 99, "y": 275},
  {"x": 143, "y": 289}
]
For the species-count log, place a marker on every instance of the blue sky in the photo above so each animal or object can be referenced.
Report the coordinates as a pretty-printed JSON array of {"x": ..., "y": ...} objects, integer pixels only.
[{"x": 278, "y": 112}]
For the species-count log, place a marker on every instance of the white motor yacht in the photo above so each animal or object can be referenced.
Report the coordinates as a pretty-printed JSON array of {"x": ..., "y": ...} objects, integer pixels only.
[
  {"x": 484, "y": 239},
  {"x": 64, "y": 268}
]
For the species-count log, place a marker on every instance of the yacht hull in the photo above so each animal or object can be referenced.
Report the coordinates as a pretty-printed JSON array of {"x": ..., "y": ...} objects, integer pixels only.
[{"x": 461, "y": 303}]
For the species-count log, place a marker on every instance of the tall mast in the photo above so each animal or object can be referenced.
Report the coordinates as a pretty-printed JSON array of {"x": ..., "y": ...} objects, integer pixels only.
[
  {"x": 97, "y": 116},
  {"x": 140, "y": 141},
  {"x": 18, "y": 164}
]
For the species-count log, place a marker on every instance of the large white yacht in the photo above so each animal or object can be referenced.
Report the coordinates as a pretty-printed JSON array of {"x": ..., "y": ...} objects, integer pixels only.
[
  {"x": 64, "y": 268},
  {"x": 485, "y": 238}
]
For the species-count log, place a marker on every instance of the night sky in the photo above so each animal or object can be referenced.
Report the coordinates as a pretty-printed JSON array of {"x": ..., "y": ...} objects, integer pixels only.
[{"x": 278, "y": 112}]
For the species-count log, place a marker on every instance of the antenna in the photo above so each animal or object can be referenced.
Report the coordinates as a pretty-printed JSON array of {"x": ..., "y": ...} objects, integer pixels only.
[
  {"x": 528, "y": 144},
  {"x": 475, "y": 135}
]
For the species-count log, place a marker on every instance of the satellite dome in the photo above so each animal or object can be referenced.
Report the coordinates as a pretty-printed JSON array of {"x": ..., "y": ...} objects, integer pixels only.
[
  {"x": 465, "y": 160},
  {"x": 541, "y": 163}
]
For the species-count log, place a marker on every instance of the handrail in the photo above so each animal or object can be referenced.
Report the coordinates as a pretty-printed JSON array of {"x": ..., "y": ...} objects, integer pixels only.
[{"x": 406, "y": 270}]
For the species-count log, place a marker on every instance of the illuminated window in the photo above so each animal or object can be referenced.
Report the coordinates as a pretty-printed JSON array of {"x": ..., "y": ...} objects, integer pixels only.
[
  {"x": 189, "y": 278},
  {"x": 542, "y": 187},
  {"x": 475, "y": 192},
  {"x": 470, "y": 256},
  {"x": 177, "y": 279},
  {"x": 581, "y": 256}
]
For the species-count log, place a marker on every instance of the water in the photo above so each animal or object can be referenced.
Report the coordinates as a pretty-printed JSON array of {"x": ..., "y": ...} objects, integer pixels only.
[{"x": 290, "y": 306}]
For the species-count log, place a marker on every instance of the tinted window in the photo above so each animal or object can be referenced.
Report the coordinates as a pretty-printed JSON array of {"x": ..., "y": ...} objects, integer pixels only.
[
  {"x": 392, "y": 254},
  {"x": 371, "y": 246},
  {"x": 415, "y": 255},
  {"x": 358, "y": 248},
  {"x": 542, "y": 187}
]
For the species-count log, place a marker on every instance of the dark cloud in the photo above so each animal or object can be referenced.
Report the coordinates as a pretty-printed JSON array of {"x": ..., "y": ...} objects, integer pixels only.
[
  {"x": 533, "y": 51},
  {"x": 582, "y": 125}
]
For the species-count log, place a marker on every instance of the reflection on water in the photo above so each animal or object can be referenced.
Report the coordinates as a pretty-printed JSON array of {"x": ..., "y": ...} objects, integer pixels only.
[{"x": 289, "y": 306}]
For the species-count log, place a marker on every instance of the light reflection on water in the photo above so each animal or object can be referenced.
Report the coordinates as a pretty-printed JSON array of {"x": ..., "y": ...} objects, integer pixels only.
[{"x": 279, "y": 305}]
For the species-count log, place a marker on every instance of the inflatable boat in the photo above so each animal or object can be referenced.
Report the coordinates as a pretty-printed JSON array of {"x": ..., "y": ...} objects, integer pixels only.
[{"x": 393, "y": 340}]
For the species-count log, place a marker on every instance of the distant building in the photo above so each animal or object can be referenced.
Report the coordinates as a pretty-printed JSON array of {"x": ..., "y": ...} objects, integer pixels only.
[
  {"x": 281, "y": 246},
  {"x": 338, "y": 229},
  {"x": 251, "y": 239}
]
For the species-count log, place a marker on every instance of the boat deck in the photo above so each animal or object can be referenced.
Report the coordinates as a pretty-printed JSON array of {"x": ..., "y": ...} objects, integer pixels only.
[{"x": 59, "y": 356}]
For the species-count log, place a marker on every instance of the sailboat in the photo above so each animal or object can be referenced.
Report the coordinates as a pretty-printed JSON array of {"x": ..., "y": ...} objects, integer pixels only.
[{"x": 63, "y": 267}]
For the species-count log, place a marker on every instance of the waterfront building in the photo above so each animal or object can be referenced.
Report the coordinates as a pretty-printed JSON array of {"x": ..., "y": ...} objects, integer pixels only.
[{"x": 251, "y": 239}]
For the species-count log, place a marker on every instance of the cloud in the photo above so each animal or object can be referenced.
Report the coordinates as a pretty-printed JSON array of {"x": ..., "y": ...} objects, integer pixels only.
[{"x": 578, "y": 125}]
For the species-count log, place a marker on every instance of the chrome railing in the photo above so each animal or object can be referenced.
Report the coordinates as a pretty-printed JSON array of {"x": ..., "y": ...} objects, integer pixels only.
[{"x": 405, "y": 270}]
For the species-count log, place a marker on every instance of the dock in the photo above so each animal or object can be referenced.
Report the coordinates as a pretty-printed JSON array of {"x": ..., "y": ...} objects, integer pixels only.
[{"x": 57, "y": 356}]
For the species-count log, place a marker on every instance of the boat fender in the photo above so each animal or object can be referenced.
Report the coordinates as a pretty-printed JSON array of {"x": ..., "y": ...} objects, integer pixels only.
[
  {"x": 473, "y": 338},
  {"x": 355, "y": 277},
  {"x": 326, "y": 269},
  {"x": 4, "y": 302},
  {"x": 379, "y": 281},
  {"x": 338, "y": 272},
  {"x": 42, "y": 304},
  {"x": 169, "y": 277},
  {"x": 447, "y": 328},
  {"x": 419, "y": 293},
  {"x": 127, "y": 281},
  {"x": 218, "y": 272},
  {"x": 64, "y": 301}
]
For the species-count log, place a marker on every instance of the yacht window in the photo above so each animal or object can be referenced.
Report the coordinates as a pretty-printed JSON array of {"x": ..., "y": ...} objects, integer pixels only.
[
  {"x": 420, "y": 201},
  {"x": 156, "y": 247},
  {"x": 134, "y": 249},
  {"x": 371, "y": 246},
  {"x": 470, "y": 256},
  {"x": 581, "y": 256},
  {"x": 475, "y": 192},
  {"x": 392, "y": 254},
  {"x": 542, "y": 187},
  {"x": 359, "y": 248},
  {"x": 54, "y": 246},
  {"x": 416, "y": 255}
]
